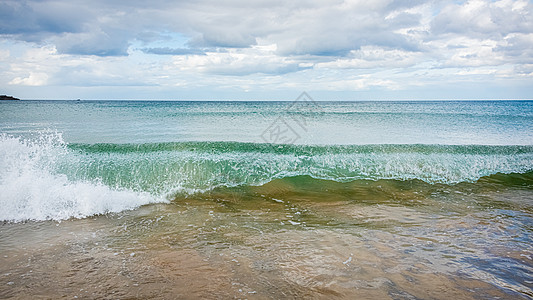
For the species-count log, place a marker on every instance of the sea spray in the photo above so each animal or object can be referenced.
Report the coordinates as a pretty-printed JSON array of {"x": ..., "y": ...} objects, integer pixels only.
[{"x": 31, "y": 190}]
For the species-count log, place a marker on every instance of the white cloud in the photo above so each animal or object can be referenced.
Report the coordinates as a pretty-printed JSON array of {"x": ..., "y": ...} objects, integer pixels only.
[
  {"x": 4, "y": 54},
  {"x": 256, "y": 59},
  {"x": 34, "y": 79},
  {"x": 330, "y": 45},
  {"x": 46, "y": 66}
]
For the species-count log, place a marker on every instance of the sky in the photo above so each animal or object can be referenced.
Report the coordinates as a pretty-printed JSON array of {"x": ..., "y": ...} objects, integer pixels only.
[{"x": 266, "y": 50}]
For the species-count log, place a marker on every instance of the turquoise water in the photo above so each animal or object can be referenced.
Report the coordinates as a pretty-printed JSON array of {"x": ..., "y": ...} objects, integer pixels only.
[
  {"x": 326, "y": 123},
  {"x": 308, "y": 199},
  {"x": 153, "y": 150}
]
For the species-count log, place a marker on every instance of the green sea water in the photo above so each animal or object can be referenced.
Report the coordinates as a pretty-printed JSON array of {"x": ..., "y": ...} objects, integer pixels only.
[{"x": 267, "y": 199}]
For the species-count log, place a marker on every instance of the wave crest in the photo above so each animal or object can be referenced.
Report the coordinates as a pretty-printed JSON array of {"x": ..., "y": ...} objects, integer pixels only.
[
  {"x": 164, "y": 167},
  {"x": 32, "y": 190}
]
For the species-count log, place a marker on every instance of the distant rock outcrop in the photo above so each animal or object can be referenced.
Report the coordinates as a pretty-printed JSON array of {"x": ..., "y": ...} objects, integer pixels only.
[{"x": 5, "y": 97}]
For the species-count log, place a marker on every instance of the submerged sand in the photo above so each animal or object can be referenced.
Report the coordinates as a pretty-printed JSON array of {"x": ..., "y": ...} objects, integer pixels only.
[{"x": 272, "y": 244}]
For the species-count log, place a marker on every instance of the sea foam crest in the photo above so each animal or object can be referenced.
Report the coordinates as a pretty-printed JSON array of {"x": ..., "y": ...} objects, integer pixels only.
[{"x": 30, "y": 190}]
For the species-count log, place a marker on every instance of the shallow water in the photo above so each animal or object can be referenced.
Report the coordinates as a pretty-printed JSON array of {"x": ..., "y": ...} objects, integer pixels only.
[
  {"x": 291, "y": 238},
  {"x": 119, "y": 209}
]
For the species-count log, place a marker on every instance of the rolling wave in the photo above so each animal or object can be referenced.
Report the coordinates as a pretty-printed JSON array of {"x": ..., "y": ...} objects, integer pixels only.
[
  {"x": 46, "y": 178},
  {"x": 204, "y": 165}
]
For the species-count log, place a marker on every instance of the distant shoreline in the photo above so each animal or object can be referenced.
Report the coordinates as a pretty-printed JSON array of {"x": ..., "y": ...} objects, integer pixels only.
[{"x": 5, "y": 97}]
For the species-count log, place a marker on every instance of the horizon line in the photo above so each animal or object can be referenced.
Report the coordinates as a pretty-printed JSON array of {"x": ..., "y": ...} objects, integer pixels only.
[{"x": 264, "y": 100}]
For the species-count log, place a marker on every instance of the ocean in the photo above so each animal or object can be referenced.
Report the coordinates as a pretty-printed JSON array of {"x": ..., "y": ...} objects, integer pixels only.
[{"x": 263, "y": 199}]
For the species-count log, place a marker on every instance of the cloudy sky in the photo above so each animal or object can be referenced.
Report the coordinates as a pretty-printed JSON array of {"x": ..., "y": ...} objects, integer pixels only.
[{"x": 266, "y": 49}]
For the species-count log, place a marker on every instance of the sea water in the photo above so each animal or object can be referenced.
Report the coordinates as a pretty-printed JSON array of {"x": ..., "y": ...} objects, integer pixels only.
[{"x": 266, "y": 199}]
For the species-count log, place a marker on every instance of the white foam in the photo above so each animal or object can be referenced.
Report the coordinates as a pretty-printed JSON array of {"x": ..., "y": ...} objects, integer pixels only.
[{"x": 29, "y": 190}]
